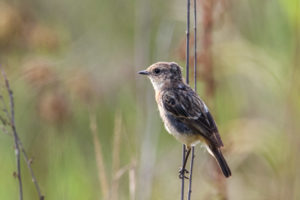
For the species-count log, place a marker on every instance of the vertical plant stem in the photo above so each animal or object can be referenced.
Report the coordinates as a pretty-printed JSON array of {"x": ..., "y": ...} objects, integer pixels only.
[
  {"x": 29, "y": 162},
  {"x": 187, "y": 81},
  {"x": 188, "y": 42},
  {"x": 195, "y": 88},
  {"x": 191, "y": 173},
  {"x": 116, "y": 156},
  {"x": 99, "y": 156},
  {"x": 132, "y": 181},
  {"x": 195, "y": 45},
  {"x": 182, "y": 179},
  {"x": 17, "y": 152},
  {"x": 16, "y": 138}
]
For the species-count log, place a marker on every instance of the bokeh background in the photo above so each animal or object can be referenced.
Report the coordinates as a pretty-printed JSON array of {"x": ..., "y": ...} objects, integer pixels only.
[{"x": 90, "y": 123}]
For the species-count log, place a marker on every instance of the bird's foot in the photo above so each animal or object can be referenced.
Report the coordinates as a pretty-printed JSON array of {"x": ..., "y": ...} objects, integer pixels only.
[{"x": 182, "y": 173}]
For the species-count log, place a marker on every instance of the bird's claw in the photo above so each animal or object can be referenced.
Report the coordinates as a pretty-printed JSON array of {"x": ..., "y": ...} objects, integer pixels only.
[{"x": 182, "y": 173}]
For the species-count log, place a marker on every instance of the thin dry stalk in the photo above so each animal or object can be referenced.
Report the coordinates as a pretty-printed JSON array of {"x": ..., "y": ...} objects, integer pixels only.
[
  {"x": 188, "y": 42},
  {"x": 12, "y": 123},
  {"x": 18, "y": 144},
  {"x": 11, "y": 119},
  {"x": 28, "y": 162},
  {"x": 191, "y": 174},
  {"x": 195, "y": 88},
  {"x": 195, "y": 45},
  {"x": 132, "y": 181},
  {"x": 122, "y": 171},
  {"x": 187, "y": 81},
  {"x": 99, "y": 156},
  {"x": 182, "y": 179},
  {"x": 116, "y": 156},
  {"x": 131, "y": 169}
]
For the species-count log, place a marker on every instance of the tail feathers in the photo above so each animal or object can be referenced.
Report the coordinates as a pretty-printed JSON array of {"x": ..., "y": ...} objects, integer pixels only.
[{"x": 222, "y": 162}]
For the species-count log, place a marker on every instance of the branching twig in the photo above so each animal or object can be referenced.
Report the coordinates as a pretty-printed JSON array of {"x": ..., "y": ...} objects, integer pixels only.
[
  {"x": 18, "y": 144},
  {"x": 4, "y": 109},
  {"x": 12, "y": 123},
  {"x": 28, "y": 163}
]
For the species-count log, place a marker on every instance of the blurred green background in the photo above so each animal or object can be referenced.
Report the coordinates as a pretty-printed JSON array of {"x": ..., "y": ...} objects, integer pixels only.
[{"x": 91, "y": 125}]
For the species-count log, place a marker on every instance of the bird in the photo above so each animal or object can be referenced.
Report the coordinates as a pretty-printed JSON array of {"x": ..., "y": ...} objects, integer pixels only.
[{"x": 184, "y": 114}]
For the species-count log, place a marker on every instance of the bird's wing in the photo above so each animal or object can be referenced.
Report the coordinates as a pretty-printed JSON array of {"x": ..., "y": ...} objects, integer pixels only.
[{"x": 185, "y": 105}]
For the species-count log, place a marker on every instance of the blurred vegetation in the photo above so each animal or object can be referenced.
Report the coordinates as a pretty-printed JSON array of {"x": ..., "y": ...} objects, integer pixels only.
[{"x": 72, "y": 66}]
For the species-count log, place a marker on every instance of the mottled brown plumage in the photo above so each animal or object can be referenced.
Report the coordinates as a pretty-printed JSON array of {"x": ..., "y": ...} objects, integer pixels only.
[{"x": 184, "y": 114}]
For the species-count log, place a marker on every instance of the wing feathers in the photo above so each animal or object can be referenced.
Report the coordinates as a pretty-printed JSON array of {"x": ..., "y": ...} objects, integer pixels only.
[{"x": 186, "y": 106}]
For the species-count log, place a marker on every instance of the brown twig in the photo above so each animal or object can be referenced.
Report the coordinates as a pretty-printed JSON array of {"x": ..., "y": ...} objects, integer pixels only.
[{"x": 18, "y": 144}]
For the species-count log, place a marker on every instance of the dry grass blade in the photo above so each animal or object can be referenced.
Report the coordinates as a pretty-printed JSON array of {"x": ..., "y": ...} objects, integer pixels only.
[
  {"x": 116, "y": 155},
  {"x": 132, "y": 181},
  {"x": 122, "y": 171},
  {"x": 99, "y": 156}
]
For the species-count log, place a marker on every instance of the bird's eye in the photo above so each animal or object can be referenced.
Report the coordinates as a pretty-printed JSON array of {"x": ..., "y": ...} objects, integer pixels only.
[{"x": 156, "y": 71}]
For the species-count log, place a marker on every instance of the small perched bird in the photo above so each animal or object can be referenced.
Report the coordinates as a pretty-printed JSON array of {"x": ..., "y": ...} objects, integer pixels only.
[{"x": 184, "y": 114}]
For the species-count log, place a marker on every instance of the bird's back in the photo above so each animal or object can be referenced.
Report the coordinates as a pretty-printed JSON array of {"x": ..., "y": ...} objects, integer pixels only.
[{"x": 184, "y": 112}]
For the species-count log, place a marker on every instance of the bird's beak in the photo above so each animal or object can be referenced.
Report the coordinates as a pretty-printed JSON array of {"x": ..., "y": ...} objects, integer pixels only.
[{"x": 144, "y": 72}]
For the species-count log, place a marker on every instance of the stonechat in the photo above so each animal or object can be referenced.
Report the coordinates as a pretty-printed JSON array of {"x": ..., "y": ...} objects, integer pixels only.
[{"x": 184, "y": 114}]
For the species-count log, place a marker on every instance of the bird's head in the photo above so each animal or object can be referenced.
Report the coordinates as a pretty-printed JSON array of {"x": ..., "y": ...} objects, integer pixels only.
[{"x": 162, "y": 73}]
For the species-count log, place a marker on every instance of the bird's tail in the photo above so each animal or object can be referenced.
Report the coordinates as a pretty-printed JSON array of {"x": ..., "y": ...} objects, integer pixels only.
[{"x": 221, "y": 160}]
